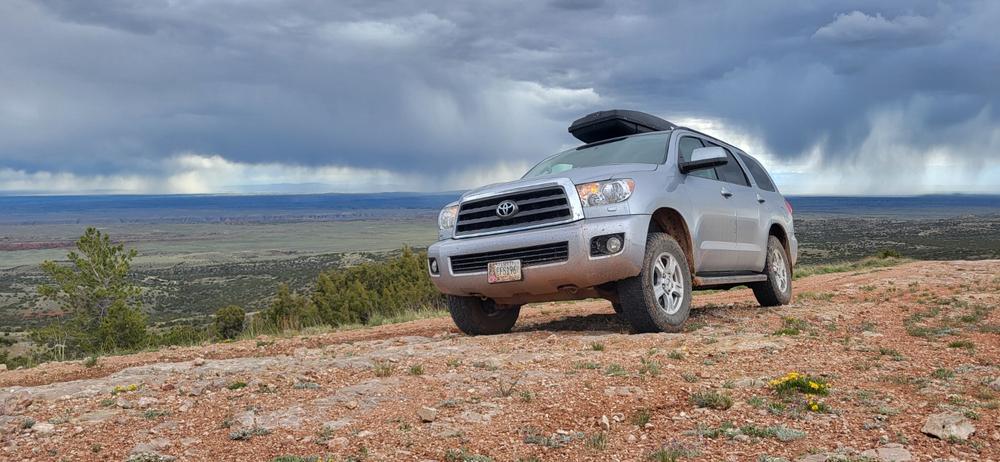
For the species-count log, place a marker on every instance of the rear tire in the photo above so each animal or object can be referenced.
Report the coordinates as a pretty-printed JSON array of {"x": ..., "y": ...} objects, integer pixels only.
[
  {"x": 659, "y": 298},
  {"x": 777, "y": 289},
  {"x": 475, "y": 316}
]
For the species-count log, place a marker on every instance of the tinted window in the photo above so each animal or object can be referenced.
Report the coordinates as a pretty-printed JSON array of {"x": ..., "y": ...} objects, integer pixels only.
[
  {"x": 732, "y": 172},
  {"x": 758, "y": 173},
  {"x": 643, "y": 149},
  {"x": 685, "y": 147}
]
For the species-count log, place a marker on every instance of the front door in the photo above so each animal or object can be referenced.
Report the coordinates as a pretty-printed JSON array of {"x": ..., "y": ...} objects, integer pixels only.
[{"x": 714, "y": 224}]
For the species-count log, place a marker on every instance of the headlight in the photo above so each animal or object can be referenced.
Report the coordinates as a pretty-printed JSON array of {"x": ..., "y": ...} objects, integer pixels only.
[
  {"x": 446, "y": 219},
  {"x": 605, "y": 192}
]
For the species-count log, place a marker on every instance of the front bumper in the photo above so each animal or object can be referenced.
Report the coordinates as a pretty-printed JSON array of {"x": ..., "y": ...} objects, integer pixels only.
[{"x": 573, "y": 278}]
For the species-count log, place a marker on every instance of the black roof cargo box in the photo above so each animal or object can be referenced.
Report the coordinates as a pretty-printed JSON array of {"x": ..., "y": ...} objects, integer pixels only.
[{"x": 603, "y": 125}]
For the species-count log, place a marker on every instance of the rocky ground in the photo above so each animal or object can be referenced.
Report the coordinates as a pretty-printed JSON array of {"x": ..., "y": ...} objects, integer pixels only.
[{"x": 907, "y": 353}]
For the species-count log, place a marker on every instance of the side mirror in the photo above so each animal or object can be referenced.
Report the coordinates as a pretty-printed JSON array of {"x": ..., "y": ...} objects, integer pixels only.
[{"x": 703, "y": 158}]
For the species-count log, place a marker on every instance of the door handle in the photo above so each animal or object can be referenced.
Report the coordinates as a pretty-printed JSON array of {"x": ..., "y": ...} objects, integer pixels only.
[
  {"x": 760, "y": 199},
  {"x": 726, "y": 193}
]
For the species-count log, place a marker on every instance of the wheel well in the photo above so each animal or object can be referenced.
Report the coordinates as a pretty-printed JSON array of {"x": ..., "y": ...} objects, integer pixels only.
[
  {"x": 779, "y": 232},
  {"x": 670, "y": 221}
]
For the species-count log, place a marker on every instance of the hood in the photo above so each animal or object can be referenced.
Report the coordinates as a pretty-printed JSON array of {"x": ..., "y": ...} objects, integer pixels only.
[{"x": 577, "y": 176}]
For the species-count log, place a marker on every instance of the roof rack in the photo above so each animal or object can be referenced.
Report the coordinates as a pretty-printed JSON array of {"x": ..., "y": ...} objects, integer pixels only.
[{"x": 614, "y": 123}]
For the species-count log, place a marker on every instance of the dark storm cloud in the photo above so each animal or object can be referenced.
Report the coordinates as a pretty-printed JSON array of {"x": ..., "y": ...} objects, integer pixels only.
[{"x": 425, "y": 87}]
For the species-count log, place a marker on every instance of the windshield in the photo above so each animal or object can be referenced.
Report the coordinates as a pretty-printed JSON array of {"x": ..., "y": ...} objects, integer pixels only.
[{"x": 644, "y": 149}]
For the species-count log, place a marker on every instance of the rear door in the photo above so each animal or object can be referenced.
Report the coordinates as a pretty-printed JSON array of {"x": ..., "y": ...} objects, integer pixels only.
[
  {"x": 714, "y": 223},
  {"x": 769, "y": 203}
]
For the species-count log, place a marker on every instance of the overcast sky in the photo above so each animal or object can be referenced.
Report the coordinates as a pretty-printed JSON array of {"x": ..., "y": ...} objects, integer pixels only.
[{"x": 175, "y": 96}]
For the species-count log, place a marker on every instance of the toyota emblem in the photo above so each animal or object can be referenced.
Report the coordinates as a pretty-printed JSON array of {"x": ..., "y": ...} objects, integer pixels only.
[{"x": 507, "y": 209}]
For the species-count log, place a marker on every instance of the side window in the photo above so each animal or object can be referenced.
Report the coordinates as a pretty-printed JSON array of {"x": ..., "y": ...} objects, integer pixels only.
[
  {"x": 732, "y": 172},
  {"x": 685, "y": 147},
  {"x": 758, "y": 173}
]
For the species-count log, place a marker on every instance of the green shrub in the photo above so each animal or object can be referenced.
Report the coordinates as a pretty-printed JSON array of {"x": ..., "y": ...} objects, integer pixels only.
[
  {"x": 381, "y": 289},
  {"x": 182, "y": 335},
  {"x": 712, "y": 400},
  {"x": 229, "y": 321},
  {"x": 888, "y": 253},
  {"x": 289, "y": 310}
]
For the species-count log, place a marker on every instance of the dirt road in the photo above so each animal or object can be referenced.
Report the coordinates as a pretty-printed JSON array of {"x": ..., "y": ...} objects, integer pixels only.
[{"x": 896, "y": 346}]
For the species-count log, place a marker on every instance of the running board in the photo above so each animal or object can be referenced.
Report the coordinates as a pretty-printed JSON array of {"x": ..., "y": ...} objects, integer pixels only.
[{"x": 735, "y": 279}]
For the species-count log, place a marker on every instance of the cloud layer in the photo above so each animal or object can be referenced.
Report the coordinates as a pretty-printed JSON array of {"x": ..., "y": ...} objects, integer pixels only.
[{"x": 849, "y": 97}]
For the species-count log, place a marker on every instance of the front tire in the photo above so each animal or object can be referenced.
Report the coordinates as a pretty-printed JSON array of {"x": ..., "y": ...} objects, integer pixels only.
[
  {"x": 659, "y": 298},
  {"x": 777, "y": 289},
  {"x": 475, "y": 316}
]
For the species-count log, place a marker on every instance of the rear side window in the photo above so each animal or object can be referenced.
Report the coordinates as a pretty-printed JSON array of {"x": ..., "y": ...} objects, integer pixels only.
[
  {"x": 758, "y": 173},
  {"x": 685, "y": 147},
  {"x": 731, "y": 172}
]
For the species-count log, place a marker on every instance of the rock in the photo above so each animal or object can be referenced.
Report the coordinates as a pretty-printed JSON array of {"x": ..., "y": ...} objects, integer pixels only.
[
  {"x": 198, "y": 362},
  {"x": 822, "y": 457},
  {"x": 742, "y": 438},
  {"x": 444, "y": 430},
  {"x": 364, "y": 434},
  {"x": 43, "y": 428},
  {"x": 631, "y": 438},
  {"x": 427, "y": 414},
  {"x": 186, "y": 405},
  {"x": 246, "y": 419},
  {"x": 749, "y": 382},
  {"x": 605, "y": 424},
  {"x": 149, "y": 457},
  {"x": 146, "y": 401},
  {"x": 16, "y": 404},
  {"x": 334, "y": 425},
  {"x": 124, "y": 403},
  {"x": 889, "y": 453},
  {"x": 152, "y": 447},
  {"x": 474, "y": 417},
  {"x": 947, "y": 425},
  {"x": 97, "y": 416},
  {"x": 622, "y": 391},
  {"x": 351, "y": 404},
  {"x": 338, "y": 442},
  {"x": 995, "y": 384}
]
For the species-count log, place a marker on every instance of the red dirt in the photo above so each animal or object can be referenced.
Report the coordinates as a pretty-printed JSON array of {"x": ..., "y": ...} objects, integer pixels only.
[{"x": 855, "y": 336}]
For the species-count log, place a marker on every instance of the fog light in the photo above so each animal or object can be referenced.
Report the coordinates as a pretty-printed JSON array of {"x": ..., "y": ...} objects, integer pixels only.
[
  {"x": 433, "y": 266},
  {"x": 614, "y": 244},
  {"x": 608, "y": 244}
]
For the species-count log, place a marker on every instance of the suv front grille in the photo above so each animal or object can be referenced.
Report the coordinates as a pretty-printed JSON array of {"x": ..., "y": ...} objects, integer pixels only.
[
  {"x": 535, "y": 207},
  {"x": 529, "y": 256}
]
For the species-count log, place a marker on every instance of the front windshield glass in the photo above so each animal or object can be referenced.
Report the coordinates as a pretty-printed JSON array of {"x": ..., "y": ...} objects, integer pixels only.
[{"x": 644, "y": 149}]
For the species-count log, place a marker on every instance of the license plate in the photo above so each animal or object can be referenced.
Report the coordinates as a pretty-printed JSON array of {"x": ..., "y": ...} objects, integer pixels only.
[{"x": 503, "y": 271}]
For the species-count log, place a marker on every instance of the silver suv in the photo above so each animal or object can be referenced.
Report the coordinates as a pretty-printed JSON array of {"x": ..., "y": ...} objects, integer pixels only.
[{"x": 640, "y": 215}]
